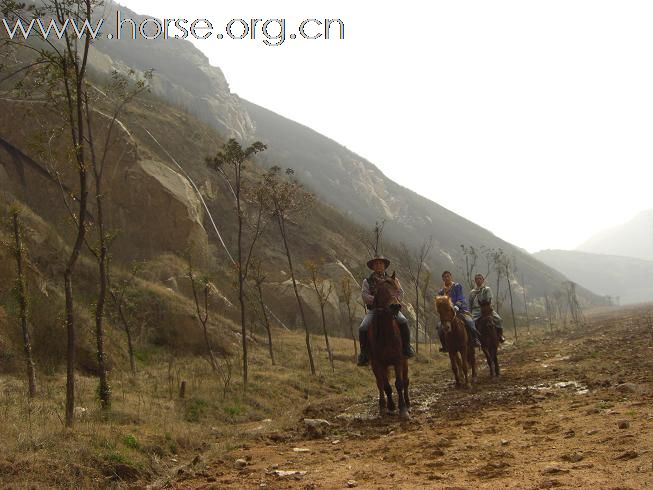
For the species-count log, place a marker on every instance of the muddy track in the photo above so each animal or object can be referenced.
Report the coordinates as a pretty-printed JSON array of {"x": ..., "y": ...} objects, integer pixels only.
[{"x": 569, "y": 411}]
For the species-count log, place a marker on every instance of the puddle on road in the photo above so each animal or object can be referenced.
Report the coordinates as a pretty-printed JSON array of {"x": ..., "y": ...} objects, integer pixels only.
[{"x": 578, "y": 388}]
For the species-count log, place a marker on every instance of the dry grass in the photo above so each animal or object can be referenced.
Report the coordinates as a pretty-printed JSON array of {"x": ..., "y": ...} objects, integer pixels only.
[{"x": 149, "y": 432}]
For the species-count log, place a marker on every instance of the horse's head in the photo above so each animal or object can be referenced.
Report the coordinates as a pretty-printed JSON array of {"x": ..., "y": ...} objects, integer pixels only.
[
  {"x": 387, "y": 293},
  {"x": 445, "y": 310},
  {"x": 486, "y": 308}
]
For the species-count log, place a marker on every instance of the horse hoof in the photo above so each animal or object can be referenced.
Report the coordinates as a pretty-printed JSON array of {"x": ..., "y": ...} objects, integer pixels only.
[{"x": 404, "y": 415}]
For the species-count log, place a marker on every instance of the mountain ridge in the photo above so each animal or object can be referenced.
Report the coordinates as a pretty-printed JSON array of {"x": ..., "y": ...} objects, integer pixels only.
[{"x": 633, "y": 238}]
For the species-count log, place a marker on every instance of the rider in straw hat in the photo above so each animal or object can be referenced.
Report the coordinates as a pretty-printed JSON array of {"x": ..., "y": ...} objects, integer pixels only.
[{"x": 378, "y": 265}]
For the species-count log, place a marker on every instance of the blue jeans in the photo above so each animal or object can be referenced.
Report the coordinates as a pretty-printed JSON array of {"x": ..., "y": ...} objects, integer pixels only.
[{"x": 369, "y": 316}]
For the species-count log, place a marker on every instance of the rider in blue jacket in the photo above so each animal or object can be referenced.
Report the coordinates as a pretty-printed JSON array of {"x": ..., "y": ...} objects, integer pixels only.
[{"x": 455, "y": 292}]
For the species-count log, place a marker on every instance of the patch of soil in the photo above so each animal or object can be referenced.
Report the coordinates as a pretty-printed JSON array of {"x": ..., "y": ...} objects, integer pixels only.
[{"x": 555, "y": 418}]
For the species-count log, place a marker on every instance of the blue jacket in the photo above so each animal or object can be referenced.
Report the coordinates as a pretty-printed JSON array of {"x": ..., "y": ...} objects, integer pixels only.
[{"x": 457, "y": 296}]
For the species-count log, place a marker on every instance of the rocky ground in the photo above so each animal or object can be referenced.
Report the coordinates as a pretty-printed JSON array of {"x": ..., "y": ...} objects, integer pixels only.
[{"x": 571, "y": 410}]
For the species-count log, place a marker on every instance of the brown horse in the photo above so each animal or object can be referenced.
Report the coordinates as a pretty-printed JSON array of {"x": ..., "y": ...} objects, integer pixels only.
[
  {"x": 461, "y": 352},
  {"x": 386, "y": 348},
  {"x": 486, "y": 327}
]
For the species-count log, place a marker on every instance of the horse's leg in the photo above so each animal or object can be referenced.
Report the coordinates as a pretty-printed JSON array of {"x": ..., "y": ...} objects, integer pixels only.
[
  {"x": 388, "y": 394},
  {"x": 399, "y": 384},
  {"x": 380, "y": 383},
  {"x": 464, "y": 355},
  {"x": 488, "y": 357},
  {"x": 496, "y": 360},
  {"x": 453, "y": 358},
  {"x": 471, "y": 359},
  {"x": 406, "y": 382}
]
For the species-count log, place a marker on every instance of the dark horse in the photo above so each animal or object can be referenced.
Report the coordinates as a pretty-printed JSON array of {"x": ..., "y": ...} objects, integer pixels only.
[
  {"x": 461, "y": 351},
  {"x": 489, "y": 339},
  {"x": 386, "y": 348}
]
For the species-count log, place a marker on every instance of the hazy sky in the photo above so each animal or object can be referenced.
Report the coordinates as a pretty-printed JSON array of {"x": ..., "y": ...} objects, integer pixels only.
[{"x": 533, "y": 119}]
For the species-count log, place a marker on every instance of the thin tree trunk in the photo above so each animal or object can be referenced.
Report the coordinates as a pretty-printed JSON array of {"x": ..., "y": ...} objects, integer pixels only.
[
  {"x": 498, "y": 295},
  {"x": 351, "y": 329},
  {"x": 70, "y": 349},
  {"x": 125, "y": 324},
  {"x": 426, "y": 318},
  {"x": 22, "y": 303},
  {"x": 294, "y": 285},
  {"x": 528, "y": 323},
  {"x": 512, "y": 309},
  {"x": 326, "y": 338},
  {"x": 203, "y": 319},
  {"x": 104, "y": 388},
  {"x": 68, "y": 290},
  {"x": 548, "y": 312},
  {"x": 241, "y": 281},
  {"x": 266, "y": 321},
  {"x": 417, "y": 315}
]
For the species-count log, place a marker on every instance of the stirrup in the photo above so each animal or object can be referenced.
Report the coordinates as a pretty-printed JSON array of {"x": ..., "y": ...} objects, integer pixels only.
[{"x": 443, "y": 349}]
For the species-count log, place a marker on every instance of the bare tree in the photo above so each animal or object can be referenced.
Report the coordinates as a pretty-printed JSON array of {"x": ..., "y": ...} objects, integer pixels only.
[
  {"x": 414, "y": 262},
  {"x": 230, "y": 164},
  {"x": 119, "y": 297},
  {"x": 323, "y": 290},
  {"x": 286, "y": 197},
  {"x": 259, "y": 278},
  {"x": 505, "y": 266},
  {"x": 120, "y": 92},
  {"x": 23, "y": 303},
  {"x": 574, "y": 306},
  {"x": 59, "y": 75},
  {"x": 374, "y": 242},
  {"x": 472, "y": 255},
  {"x": 528, "y": 323},
  {"x": 346, "y": 289},
  {"x": 202, "y": 304},
  {"x": 549, "y": 311},
  {"x": 425, "y": 288}
]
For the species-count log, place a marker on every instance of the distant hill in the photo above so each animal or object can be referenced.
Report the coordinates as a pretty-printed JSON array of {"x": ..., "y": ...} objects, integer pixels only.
[
  {"x": 357, "y": 188},
  {"x": 610, "y": 275},
  {"x": 632, "y": 239}
]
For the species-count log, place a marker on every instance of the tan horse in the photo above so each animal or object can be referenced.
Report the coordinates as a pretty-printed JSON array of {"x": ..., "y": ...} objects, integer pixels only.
[
  {"x": 386, "y": 348},
  {"x": 461, "y": 353}
]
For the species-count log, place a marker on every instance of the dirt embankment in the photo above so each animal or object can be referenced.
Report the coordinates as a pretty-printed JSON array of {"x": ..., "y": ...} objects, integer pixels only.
[{"x": 571, "y": 410}]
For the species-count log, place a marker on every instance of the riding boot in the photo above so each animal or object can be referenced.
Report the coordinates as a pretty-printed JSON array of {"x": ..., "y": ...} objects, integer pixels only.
[
  {"x": 364, "y": 355},
  {"x": 405, "y": 340},
  {"x": 473, "y": 334},
  {"x": 502, "y": 339},
  {"x": 444, "y": 346},
  {"x": 476, "y": 339}
]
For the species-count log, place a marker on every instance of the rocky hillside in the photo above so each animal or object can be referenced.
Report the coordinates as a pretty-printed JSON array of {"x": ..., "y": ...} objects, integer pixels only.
[
  {"x": 341, "y": 178},
  {"x": 158, "y": 160},
  {"x": 184, "y": 77},
  {"x": 360, "y": 190},
  {"x": 625, "y": 278},
  {"x": 632, "y": 239}
]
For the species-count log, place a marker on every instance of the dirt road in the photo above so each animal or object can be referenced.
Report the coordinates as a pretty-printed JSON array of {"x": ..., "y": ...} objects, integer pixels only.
[{"x": 573, "y": 410}]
